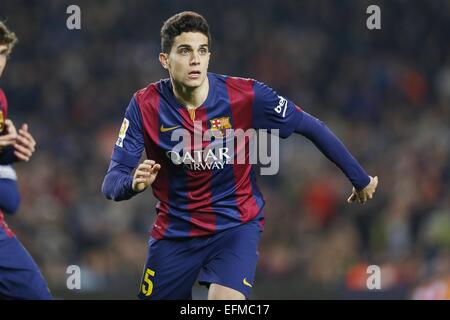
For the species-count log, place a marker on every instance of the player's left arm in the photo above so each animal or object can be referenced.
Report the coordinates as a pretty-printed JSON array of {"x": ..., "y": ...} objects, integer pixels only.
[
  {"x": 331, "y": 146},
  {"x": 118, "y": 184},
  {"x": 271, "y": 111}
]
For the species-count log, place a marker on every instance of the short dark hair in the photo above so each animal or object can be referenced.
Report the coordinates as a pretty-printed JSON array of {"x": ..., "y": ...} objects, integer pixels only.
[
  {"x": 7, "y": 37},
  {"x": 187, "y": 21}
]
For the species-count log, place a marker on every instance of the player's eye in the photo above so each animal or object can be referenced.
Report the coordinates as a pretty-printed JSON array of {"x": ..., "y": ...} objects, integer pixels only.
[
  {"x": 184, "y": 51},
  {"x": 203, "y": 51}
]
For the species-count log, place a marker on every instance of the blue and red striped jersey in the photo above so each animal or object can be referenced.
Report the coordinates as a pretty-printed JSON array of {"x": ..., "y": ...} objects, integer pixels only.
[
  {"x": 202, "y": 197},
  {"x": 5, "y": 232}
]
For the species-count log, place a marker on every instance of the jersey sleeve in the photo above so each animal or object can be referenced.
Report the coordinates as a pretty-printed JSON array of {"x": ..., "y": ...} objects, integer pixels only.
[
  {"x": 272, "y": 111},
  {"x": 130, "y": 142},
  {"x": 9, "y": 196}
]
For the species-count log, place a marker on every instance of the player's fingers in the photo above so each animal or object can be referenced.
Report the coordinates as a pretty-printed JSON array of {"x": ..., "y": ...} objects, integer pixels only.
[
  {"x": 155, "y": 168},
  {"x": 7, "y": 142},
  {"x": 25, "y": 142},
  {"x": 9, "y": 136},
  {"x": 9, "y": 123},
  {"x": 26, "y": 135},
  {"x": 144, "y": 167},
  {"x": 23, "y": 149},
  {"x": 363, "y": 197},
  {"x": 358, "y": 196},
  {"x": 143, "y": 173},
  {"x": 149, "y": 162},
  {"x": 10, "y": 127},
  {"x": 21, "y": 156},
  {"x": 146, "y": 164},
  {"x": 352, "y": 198}
]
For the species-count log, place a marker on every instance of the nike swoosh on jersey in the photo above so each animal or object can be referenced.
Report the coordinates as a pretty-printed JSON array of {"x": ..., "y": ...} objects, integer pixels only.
[
  {"x": 246, "y": 283},
  {"x": 168, "y": 129}
]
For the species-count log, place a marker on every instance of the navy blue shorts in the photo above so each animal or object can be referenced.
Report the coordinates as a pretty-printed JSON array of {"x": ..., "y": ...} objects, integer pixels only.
[
  {"x": 20, "y": 277},
  {"x": 227, "y": 258}
]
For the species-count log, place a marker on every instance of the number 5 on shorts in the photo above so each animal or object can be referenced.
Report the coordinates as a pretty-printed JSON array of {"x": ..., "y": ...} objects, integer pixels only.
[{"x": 147, "y": 285}]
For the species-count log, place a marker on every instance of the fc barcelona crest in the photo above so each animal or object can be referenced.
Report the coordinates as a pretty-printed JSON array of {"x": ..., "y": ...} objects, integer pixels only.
[{"x": 219, "y": 126}]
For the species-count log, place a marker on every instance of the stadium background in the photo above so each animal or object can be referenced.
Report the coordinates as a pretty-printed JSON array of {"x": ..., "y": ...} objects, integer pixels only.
[{"x": 385, "y": 93}]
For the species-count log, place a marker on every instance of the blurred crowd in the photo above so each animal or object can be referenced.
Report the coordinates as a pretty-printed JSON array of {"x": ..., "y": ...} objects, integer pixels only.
[{"x": 385, "y": 93}]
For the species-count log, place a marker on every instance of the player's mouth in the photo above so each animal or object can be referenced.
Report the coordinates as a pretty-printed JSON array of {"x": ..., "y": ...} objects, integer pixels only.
[{"x": 194, "y": 74}]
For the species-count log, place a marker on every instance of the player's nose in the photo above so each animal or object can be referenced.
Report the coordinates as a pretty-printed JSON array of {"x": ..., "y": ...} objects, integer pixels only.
[{"x": 195, "y": 58}]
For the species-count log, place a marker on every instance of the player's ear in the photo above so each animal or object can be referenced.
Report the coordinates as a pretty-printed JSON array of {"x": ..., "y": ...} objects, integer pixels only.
[{"x": 163, "y": 59}]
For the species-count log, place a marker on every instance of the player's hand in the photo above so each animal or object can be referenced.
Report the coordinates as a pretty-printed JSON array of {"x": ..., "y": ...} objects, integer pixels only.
[
  {"x": 145, "y": 174},
  {"x": 25, "y": 144},
  {"x": 364, "y": 194},
  {"x": 10, "y": 137}
]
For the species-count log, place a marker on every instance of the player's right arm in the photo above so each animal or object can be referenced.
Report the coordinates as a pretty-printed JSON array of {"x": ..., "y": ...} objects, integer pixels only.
[{"x": 119, "y": 184}]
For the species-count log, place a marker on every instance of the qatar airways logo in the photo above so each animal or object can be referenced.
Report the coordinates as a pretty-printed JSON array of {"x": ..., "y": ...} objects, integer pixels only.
[
  {"x": 213, "y": 149},
  {"x": 201, "y": 159}
]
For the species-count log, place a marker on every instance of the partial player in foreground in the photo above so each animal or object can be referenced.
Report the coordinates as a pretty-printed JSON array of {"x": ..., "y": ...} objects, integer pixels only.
[
  {"x": 210, "y": 211},
  {"x": 20, "y": 277}
]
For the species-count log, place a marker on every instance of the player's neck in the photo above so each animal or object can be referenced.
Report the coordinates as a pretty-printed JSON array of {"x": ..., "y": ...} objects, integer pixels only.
[{"x": 191, "y": 97}]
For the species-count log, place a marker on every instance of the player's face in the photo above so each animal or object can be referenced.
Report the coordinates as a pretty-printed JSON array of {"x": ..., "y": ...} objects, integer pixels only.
[
  {"x": 188, "y": 60},
  {"x": 3, "y": 55}
]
